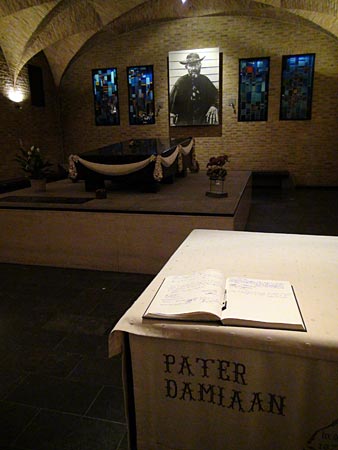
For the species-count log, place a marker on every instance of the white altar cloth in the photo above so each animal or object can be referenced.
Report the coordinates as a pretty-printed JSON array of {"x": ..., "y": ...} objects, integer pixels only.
[{"x": 198, "y": 386}]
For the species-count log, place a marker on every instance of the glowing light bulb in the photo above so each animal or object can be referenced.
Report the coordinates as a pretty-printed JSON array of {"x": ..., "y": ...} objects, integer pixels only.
[
  {"x": 183, "y": 1},
  {"x": 15, "y": 95}
]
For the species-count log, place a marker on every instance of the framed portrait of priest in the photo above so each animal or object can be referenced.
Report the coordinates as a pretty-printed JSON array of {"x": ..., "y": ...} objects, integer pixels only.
[
  {"x": 194, "y": 78},
  {"x": 106, "y": 101}
]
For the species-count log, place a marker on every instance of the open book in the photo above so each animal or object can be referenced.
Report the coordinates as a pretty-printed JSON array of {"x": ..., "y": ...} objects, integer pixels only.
[{"x": 209, "y": 296}]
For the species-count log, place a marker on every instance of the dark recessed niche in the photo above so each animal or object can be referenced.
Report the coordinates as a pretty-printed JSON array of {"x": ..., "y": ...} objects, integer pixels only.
[{"x": 36, "y": 85}]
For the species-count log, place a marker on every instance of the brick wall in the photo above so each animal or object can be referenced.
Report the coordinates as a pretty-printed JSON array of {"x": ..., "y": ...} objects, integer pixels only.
[
  {"x": 33, "y": 125},
  {"x": 308, "y": 149}
]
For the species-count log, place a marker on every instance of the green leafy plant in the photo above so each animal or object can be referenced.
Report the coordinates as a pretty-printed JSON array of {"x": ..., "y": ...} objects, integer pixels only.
[
  {"x": 33, "y": 163},
  {"x": 215, "y": 166}
]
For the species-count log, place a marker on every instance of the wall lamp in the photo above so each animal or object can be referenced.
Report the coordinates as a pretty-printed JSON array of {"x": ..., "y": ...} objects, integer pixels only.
[
  {"x": 16, "y": 96},
  {"x": 232, "y": 104},
  {"x": 158, "y": 109}
]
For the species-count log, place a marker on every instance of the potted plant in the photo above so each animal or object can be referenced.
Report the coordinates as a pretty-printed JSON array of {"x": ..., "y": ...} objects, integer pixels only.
[
  {"x": 34, "y": 164},
  {"x": 216, "y": 173}
]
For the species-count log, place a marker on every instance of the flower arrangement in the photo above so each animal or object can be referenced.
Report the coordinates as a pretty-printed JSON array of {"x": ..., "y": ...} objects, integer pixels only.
[
  {"x": 215, "y": 167},
  {"x": 33, "y": 163}
]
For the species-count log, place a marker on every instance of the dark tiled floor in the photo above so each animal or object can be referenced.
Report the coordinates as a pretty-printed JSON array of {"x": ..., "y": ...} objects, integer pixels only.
[
  {"x": 297, "y": 211},
  {"x": 58, "y": 389}
]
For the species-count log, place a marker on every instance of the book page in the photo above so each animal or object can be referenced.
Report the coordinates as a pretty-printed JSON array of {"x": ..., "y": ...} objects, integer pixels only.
[
  {"x": 261, "y": 301},
  {"x": 199, "y": 292}
]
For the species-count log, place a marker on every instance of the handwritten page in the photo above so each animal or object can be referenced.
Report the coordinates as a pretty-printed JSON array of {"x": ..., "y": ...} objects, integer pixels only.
[
  {"x": 261, "y": 300},
  {"x": 260, "y": 288},
  {"x": 184, "y": 294}
]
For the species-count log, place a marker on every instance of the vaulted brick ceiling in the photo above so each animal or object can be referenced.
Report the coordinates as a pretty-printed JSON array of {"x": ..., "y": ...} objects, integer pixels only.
[{"x": 61, "y": 27}]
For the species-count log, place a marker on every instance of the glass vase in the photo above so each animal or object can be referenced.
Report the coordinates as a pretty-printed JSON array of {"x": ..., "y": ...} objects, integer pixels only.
[{"x": 216, "y": 188}]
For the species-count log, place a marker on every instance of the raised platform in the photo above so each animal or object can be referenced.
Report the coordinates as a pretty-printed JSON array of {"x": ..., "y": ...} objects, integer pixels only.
[{"x": 128, "y": 231}]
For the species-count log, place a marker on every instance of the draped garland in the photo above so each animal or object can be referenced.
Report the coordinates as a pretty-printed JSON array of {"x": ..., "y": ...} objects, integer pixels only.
[{"x": 125, "y": 169}]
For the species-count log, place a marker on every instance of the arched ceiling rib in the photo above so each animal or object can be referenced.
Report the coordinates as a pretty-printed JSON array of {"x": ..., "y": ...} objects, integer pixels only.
[
  {"x": 61, "y": 27},
  {"x": 60, "y": 23},
  {"x": 11, "y": 7}
]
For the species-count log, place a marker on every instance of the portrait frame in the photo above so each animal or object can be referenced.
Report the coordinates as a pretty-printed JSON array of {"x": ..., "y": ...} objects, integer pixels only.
[
  {"x": 208, "y": 91},
  {"x": 253, "y": 92},
  {"x": 106, "y": 99},
  {"x": 297, "y": 86},
  {"x": 141, "y": 96}
]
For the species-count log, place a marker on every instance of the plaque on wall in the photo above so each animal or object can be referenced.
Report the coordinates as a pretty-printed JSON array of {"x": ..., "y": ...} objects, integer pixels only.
[
  {"x": 296, "y": 87},
  {"x": 194, "y": 77},
  {"x": 253, "y": 89},
  {"x": 141, "y": 95},
  {"x": 105, "y": 90}
]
